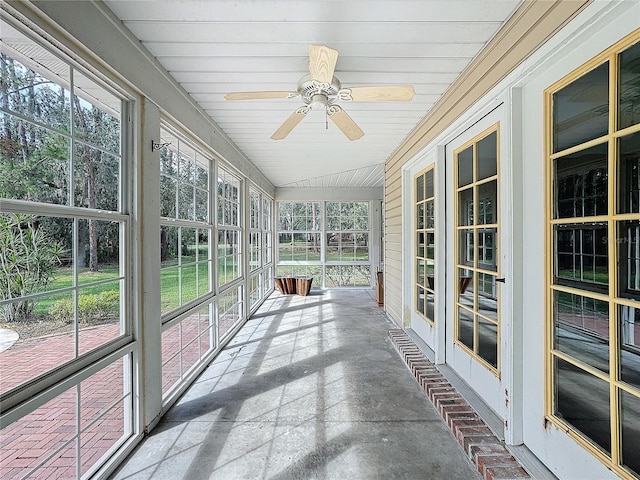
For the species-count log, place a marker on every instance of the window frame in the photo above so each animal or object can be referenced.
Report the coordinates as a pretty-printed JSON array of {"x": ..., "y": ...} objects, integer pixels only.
[
  {"x": 610, "y": 294},
  {"x": 472, "y": 226},
  {"x": 19, "y": 401},
  {"x": 321, "y": 268},
  {"x": 427, "y": 286},
  {"x": 172, "y": 140}
]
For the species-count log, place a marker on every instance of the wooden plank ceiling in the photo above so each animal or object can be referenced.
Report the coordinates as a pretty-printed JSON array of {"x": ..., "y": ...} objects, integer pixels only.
[{"x": 215, "y": 47}]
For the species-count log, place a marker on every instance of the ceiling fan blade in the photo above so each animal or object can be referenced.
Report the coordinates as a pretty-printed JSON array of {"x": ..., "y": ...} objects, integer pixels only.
[
  {"x": 258, "y": 95},
  {"x": 390, "y": 93},
  {"x": 290, "y": 123},
  {"x": 322, "y": 63},
  {"x": 345, "y": 123}
]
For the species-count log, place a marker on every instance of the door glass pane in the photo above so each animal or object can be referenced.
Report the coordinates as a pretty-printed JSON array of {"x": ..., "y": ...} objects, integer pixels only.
[
  {"x": 487, "y": 203},
  {"x": 465, "y": 167},
  {"x": 488, "y": 156},
  {"x": 581, "y": 328},
  {"x": 581, "y": 109},
  {"x": 487, "y": 296},
  {"x": 629, "y": 106},
  {"x": 429, "y": 306},
  {"x": 420, "y": 271},
  {"x": 582, "y": 400},
  {"x": 629, "y": 172},
  {"x": 476, "y": 248},
  {"x": 582, "y": 256},
  {"x": 431, "y": 253},
  {"x": 429, "y": 214},
  {"x": 465, "y": 204},
  {"x": 420, "y": 188},
  {"x": 488, "y": 341},
  {"x": 420, "y": 300},
  {"x": 420, "y": 245},
  {"x": 628, "y": 245},
  {"x": 465, "y": 287},
  {"x": 581, "y": 183},
  {"x": 487, "y": 249},
  {"x": 465, "y": 327},
  {"x": 465, "y": 247},
  {"x": 429, "y": 184},
  {"x": 629, "y": 408},
  {"x": 629, "y": 326},
  {"x": 420, "y": 216}
]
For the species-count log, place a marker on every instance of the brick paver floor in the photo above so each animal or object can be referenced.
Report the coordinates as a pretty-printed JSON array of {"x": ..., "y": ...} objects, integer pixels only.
[
  {"x": 37, "y": 438},
  {"x": 47, "y": 438}
]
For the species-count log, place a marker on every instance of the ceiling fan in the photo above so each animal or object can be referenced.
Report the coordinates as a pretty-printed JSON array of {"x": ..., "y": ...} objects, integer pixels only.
[{"x": 321, "y": 90}]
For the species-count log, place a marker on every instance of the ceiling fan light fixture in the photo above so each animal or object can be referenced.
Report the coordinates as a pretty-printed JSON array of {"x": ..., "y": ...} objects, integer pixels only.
[{"x": 319, "y": 101}]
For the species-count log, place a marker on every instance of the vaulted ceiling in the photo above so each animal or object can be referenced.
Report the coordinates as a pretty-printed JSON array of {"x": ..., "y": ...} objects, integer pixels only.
[{"x": 215, "y": 47}]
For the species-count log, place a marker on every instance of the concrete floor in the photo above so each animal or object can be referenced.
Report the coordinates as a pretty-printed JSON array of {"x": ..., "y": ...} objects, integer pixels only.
[{"x": 310, "y": 388}]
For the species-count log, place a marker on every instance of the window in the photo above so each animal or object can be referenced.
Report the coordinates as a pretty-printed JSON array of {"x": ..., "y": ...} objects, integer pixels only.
[
  {"x": 185, "y": 343},
  {"x": 229, "y": 231},
  {"x": 347, "y": 244},
  {"x": 260, "y": 256},
  {"x": 64, "y": 221},
  {"x": 299, "y": 232},
  {"x": 425, "y": 244},
  {"x": 477, "y": 322},
  {"x": 185, "y": 232},
  {"x": 230, "y": 311},
  {"x": 329, "y": 241},
  {"x": 255, "y": 236},
  {"x": 594, "y": 227}
]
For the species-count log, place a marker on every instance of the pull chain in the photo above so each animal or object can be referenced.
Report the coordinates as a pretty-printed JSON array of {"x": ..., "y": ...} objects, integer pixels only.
[{"x": 326, "y": 119}]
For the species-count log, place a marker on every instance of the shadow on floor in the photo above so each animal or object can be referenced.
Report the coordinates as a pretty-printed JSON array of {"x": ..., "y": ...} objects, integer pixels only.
[{"x": 310, "y": 388}]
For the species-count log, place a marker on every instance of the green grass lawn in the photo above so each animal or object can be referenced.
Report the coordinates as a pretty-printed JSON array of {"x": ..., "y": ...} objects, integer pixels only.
[
  {"x": 597, "y": 275},
  {"x": 194, "y": 280}
]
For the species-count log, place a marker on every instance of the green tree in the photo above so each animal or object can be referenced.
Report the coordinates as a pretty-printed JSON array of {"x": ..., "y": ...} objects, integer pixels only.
[
  {"x": 28, "y": 259},
  {"x": 37, "y": 163}
]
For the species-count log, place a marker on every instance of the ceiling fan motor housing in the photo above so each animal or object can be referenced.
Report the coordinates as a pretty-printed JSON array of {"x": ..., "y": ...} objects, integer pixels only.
[{"x": 318, "y": 94}]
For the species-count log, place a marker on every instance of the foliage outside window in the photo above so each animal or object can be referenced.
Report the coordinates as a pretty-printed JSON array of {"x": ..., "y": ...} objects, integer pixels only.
[
  {"x": 185, "y": 232},
  {"x": 347, "y": 231},
  {"x": 425, "y": 244},
  {"x": 229, "y": 231},
  {"x": 326, "y": 240},
  {"x": 255, "y": 236},
  {"x": 64, "y": 262},
  {"x": 347, "y": 242},
  {"x": 60, "y": 145},
  {"x": 299, "y": 232},
  {"x": 267, "y": 230},
  {"x": 477, "y": 323},
  {"x": 594, "y": 286},
  {"x": 260, "y": 256}
]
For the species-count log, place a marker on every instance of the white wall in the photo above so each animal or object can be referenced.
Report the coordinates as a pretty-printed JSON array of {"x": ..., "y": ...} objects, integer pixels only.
[{"x": 596, "y": 28}]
